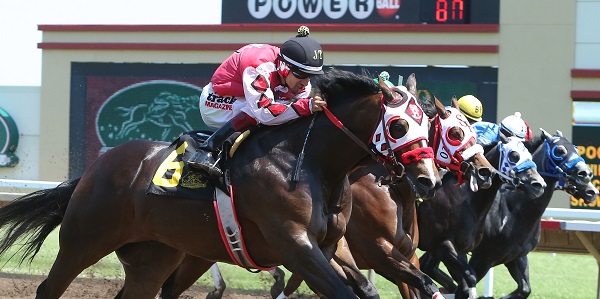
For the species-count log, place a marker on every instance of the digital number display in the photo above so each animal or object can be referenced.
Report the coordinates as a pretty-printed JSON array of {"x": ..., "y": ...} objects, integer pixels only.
[{"x": 445, "y": 11}]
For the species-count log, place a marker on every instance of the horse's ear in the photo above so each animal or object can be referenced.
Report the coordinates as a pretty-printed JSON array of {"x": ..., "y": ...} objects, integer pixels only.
[
  {"x": 546, "y": 134},
  {"x": 411, "y": 84},
  {"x": 387, "y": 93},
  {"x": 559, "y": 133},
  {"x": 440, "y": 108},
  {"x": 455, "y": 102}
]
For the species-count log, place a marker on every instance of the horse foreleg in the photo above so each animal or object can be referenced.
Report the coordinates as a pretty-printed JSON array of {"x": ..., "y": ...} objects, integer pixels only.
[
  {"x": 278, "y": 287},
  {"x": 519, "y": 270},
  {"x": 431, "y": 266},
  {"x": 308, "y": 261},
  {"x": 220, "y": 284},
  {"x": 353, "y": 277},
  {"x": 459, "y": 269}
]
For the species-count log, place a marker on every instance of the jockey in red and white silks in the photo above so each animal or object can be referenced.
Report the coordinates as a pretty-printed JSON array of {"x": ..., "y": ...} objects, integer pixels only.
[{"x": 248, "y": 82}]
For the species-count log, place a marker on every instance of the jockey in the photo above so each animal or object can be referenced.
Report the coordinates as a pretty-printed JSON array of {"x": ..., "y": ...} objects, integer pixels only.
[
  {"x": 258, "y": 84},
  {"x": 512, "y": 125},
  {"x": 471, "y": 107},
  {"x": 487, "y": 132}
]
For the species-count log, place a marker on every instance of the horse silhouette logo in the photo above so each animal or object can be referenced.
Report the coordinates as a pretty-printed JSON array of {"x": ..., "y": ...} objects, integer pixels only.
[{"x": 154, "y": 110}]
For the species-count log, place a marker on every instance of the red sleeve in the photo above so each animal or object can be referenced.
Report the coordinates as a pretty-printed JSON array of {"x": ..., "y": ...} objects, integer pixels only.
[{"x": 302, "y": 107}]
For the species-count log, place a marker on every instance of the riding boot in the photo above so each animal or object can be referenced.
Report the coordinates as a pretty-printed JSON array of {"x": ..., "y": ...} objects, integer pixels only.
[{"x": 204, "y": 157}]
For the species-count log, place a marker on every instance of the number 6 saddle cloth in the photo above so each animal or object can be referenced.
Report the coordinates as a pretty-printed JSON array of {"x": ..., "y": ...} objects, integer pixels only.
[{"x": 175, "y": 178}]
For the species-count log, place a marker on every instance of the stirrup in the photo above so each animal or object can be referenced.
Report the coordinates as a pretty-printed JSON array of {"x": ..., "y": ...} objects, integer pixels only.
[{"x": 203, "y": 160}]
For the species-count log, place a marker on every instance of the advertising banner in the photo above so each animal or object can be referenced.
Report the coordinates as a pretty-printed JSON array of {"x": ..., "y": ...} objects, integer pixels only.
[
  {"x": 588, "y": 146},
  {"x": 361, "y": 11}
]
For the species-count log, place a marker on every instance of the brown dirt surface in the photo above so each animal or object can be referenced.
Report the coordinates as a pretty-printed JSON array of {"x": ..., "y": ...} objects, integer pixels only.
[{"x": 13, "y": 286}]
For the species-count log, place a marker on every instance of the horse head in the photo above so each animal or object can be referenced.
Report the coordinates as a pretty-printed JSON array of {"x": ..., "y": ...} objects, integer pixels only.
[
  {"x": 456, "y": 148},
  {"x": 516, "y": 167},
  {"x": 403, "y": 136},
  {"x": 560, "y": 160}
]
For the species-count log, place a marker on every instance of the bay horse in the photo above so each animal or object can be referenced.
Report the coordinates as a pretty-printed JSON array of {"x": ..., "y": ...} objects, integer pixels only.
[
  {"x": 451, "y": 224},
  {"x": 295, "y": 224},
  {"x": 382, "y": 233},
  {"x": 513, "y": 223}
]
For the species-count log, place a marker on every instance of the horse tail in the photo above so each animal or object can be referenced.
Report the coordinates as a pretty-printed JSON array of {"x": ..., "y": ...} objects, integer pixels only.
[{"x": 33, "y": 217}]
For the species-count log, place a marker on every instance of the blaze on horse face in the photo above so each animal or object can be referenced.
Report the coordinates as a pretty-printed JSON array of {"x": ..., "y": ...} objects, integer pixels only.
[
  {"x": 403, "y": 137},
  {"x": 455, "y": 147},
  {"x": 564, "y": 162}
]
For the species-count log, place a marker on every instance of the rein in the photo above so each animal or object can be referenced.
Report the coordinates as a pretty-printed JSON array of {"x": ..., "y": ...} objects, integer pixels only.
[{"x": 395, "y": 164}]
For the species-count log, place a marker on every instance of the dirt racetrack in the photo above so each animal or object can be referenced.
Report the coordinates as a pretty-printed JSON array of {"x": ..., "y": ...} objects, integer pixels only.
[{"x": 14, "y": 286}]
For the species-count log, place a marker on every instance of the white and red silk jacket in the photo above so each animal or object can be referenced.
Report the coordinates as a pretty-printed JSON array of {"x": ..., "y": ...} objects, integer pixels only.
[{"x": 251, "y": 73}]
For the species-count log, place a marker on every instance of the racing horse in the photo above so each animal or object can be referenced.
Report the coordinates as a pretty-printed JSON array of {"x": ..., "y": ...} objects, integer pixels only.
[
  {"x": 382, "y": 232},
  {"x": 513, "y": 223},
  {"x": 451, "y": 224},
  {"x": 295, "y": 224}
]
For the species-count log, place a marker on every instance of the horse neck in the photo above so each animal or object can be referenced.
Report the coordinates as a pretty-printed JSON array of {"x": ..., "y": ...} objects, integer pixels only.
[
  {"x": 484, "y": 198},
  {"x": 536, "y": 207},
  {"x": 336, "y": 153},
  {"x": 519, "y": 203}
]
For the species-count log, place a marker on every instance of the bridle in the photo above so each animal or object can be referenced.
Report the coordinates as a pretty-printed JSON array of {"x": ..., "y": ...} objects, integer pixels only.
[
  {"x": 450, "y": 153},
  {"x": 385, "y": 150},
  {"x": 507, "y": 168},
  {"x": 560, "y": 167}
]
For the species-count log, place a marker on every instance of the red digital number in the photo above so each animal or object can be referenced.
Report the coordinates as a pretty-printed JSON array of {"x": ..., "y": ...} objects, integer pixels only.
[
  {"x": 441, "y": 10},
  {"x": 457, "y": 6}
]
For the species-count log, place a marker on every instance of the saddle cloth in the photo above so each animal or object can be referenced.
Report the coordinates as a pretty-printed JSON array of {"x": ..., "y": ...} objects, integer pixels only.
[{"x": 175, "y": 178}]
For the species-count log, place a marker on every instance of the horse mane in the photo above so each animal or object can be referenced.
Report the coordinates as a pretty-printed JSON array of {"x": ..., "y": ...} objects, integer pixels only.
[
  {"x": 339, "y": 84},
  {"x": 535, "y": 142}
]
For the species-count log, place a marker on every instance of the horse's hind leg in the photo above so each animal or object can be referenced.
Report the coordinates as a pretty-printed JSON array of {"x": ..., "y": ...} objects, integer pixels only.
[
  {"x": 184, "y": 276},
  {"x": 519, "y": 270},
  {"x": 68, "y": 265},
  {"x": 147, "y": 265}
]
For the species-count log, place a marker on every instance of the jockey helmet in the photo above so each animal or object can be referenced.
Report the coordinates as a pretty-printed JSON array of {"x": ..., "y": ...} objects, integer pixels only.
[
  {"x": 385, "y": 76},
  {"x": 471, "y": 107},
  {"x": 513, "y": 125},
  {"x": 303, "y": 53}
]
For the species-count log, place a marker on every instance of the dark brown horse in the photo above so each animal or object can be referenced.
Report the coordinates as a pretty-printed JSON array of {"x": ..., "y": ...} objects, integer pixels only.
[
  {"x": 296, "y": 224},
  {"x": 513, "y": 224},
  {"x": 451, "y": 224},
  {"x": 382, "y": 232}
]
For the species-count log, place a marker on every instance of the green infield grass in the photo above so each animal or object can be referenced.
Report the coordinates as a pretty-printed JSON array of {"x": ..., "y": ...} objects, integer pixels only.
[{"x": 553, "y": 276}]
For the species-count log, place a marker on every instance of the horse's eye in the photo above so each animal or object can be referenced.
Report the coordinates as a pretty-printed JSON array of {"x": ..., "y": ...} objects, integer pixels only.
[
  {"x": 455, "y": 135},
  {"x": 559, "y": 151},
  {"x": 514, "y": 157},
  {"x": 398, "y": 128}
]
